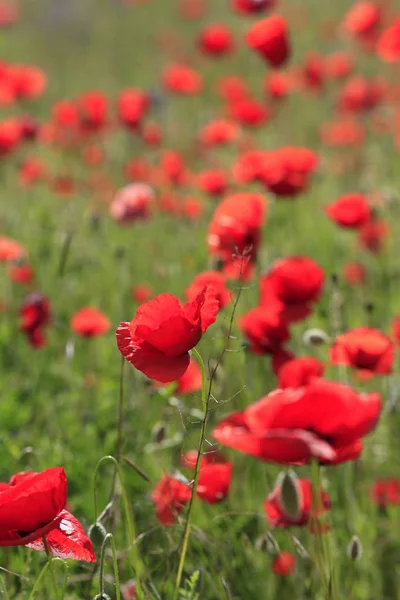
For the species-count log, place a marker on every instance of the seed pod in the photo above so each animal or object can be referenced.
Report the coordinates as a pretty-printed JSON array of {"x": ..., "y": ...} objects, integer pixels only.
[{"x": 354, "y": 548}]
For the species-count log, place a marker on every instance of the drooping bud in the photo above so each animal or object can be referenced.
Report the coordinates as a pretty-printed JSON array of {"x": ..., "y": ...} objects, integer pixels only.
[
  {"x": 158, "y": 433},
  {"x": 267, "y": 543},
  {"x": 289, "y": 497},
  {"x": 354, "y": 548},
  {"x": 97, "y": 533},
  {"x": 315, "y": 337},
  {"x": 102, "y": 596}
]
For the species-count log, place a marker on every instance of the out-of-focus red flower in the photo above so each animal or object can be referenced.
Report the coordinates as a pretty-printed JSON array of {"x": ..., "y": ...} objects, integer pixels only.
[
  {"x": 360, "y": 95},
  {"x": 283, "y": 564},
  {"x": 180, "y": 79},
  {"x": 128, "y": 590},
  {"x": 265, "y": 329},
  {"x": 278, "y": 85},
  {"x": 219, "y": 132},
  {"x": 132, "y": 202},
  {"x": 157, "y": 341},
  {"x": 65, "y": 113},
  {"x": 28, "y": 81},
  {"x": 388, "y": 47},
  {"x": 363, "y": 19},
  {"x": 138, "y": 170},
  {"x": 31, "y": 171},
  {"x": 249, "y": 112},
  {"x": 21, "y": 273},
  {"x": 339, "y": 65},
  {"x": 373, "y": 234},
  {"x": 189, "y": 458},
  {"x": 133, "y": 106},
  {"x": 299, "y": 372},
  {"x": 214, "y": 279},
  {"x": 192, "y": 9},
  {"x": 93, "y": 110},
  {"x": 270, "y": 38},
  {"x": 89, "y": 322},
  {"x": 63, "y": 184},
  {"x": 324, "y": 420},
  {"x": 216, "y": 39},
  {"x": 93, "y": 156},
  {"x": 152, "y": 134},
  {"x": 345, "y": 133},
  {"x": 214, "y": 482},
  {"x": 10, "y": 135},
  {"x": 252, "y": 6},
  {"x": 34, "y": 316},
  {"x": 192, "y": 208},
  {"x": 386, "y": 492},
  {"x": 32, "y": 508},
  {"x": 354, "y": 273},
  {"x": 10, "y": 250},
  {"x": 278, "y": 517},
  {"x": 350, "y": 211},
  {"x": 249, "y": 166},
  {"x": 9, "y": 12},
  {"x": 232, "y": 88},
  {"x": 213, "y": 182},
  {"x": 286, "y": 172},
  {"x": 170, "y": 497},
  {"x": 141, "y": 293},
  {"x": 365, "y": 349},
  {"x": 29, "y": 128},
  {"x": 295, "y": 283},
  {"x": 173, "y": 167}
]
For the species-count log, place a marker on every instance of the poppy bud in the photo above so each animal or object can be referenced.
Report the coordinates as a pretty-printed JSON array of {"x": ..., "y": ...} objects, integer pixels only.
[
  {"x": 315, "y": 337},
  {"x": 97, "y": 533},
  {"x": 102, "y": 596},
  {"x": 158, "y": 433},
  {"x": 354, "y": 548},
  {"x": 289, "y": 495},
  {"x": 268, "y": 544},
  {"x": 300, "y": 548}
]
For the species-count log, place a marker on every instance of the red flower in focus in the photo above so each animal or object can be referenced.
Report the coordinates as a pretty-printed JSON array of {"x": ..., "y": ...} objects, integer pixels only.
[
  {"x": 32, "y": 507},
  {"x": 324, "y": 420},
  {"x": 388, "y": 47},
  {"x": 157, "y": 341},
  {"x": 265, "y": 329},
  {"x": 354, "y": 273},
  {"x": 365, "y": 349},
  {"x": 213, "y": 182},
  {"x": 386, "y": 492},
  {"x": 278, "y": 517},
  {"x": 10, "y": 250},
  {"x": 373, "y": 234},
  {"x": 141, "y": 293},
  {"x": 170, "y": 497},
  {"x": 295, "y": 283},
  {"x": 234, "y": 232},
  {"x": 286, "y": 172},
  {"x": 133, "y": 106},
  {"x": 270, "y": 39},
  {"x": 34, "y": 316},
  {"x": 284, "y": 564},
  {"x": 190, "y": 381},
  {"x": 350, "y": 211},
  {"x": 252, "y": 6},
  {"x": 299, "y": 372},
  {"x": 363, "y": 19},
  {"x": 214, "y": 279},
  {"x": 89, "y": 322},
  {"x": 132, "y": 202},
  {"x": 219, "y": 132},
  {"x": 182, "y": 80},
  {"x": 216, "y": 40},
  {"x": 214, "y": 482}
]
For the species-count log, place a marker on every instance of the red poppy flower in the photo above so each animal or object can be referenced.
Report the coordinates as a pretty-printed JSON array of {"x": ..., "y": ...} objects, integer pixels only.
[
  {"x": 388, "y": 47},
  {"x": 270, "y": 39},
  {"x": 141, "y": 293},
  {"x": 189, "y": 458},
  {"x": 339, "y": 65},
  {"x": 192, "y": 208},
  {"x": 170, "y": 497},
  {"x": 249, "y": 166},
  {"x": 386, "y": 492},
  {"x": 21, "y": 273},
  {"x": 138, "y": 169},
  {"x": 152, "y": 134},
  {"x": 191, "y": 380},
  {"x": 31, "y": 171},
  {"x": 216, "y": 40},
  {"x": 313, "y": 72},
  {"x": 249, "y": 112},
  {"x": 213, "y": 182},
  {"x": 284, "y": 564},
  {"x": 214, "y": 482},
  {"x": 93, "y": 110},
  {"x": 252, "y": 6},
  {"x": 34, "y": 315},
  {"x": 65, "y": 113},
  {"x": 344, "y": 133},
  {"x": 363, "y": 19},
  {"x": 173, "y": 167},
  {"x": 350, "y": 211},
  {"x": 32, "y": 507},
  {"x": 157, "y": 341},
  {"x": 299, "y": 372},
  {"x": 232, "y": 88},
  {"x": 295, "y": 283},
  {"x": 278, "y": 517},
  {"x": 324, "y": 420},
  {"x": 265, "y": 329},
  {"x": 132, "y": 107},
  {"x": 89, "y": 322},
  {"x": 354, "y": 273},
  {"x": 214, "y": 279},
  {"x": 365, "y": 349},
  {"x": 10, "y": 250},
  {"x": 360, "y": 95},
  {"x": 286, "y": 171},
  {"x": 28, "y": 81},
  {"x": 182, "y": 80},
  {"x": 219, "y": 132},
  {"x": 10, "y": 135},
  {"x": 132, "y": 202},
  {"x": 373, "y": 234},
  {"x": 278, "y": 85}
]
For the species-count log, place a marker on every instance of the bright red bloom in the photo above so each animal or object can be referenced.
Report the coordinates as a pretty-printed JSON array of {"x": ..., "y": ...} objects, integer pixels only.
[
  {"x": 350, "y": 211},
  {"x": 214, "y": 182},
  {"x": 386, "y": 492},
  {"x": 252, "y": 6},
  {"x": 373, "y": 234},
  {"x": 324, "y": 420},
  {"x": 219, "y": 132},
  {"x": 270, "y": 39},
  {"x": 278, "y": 85},
  {"x": 182, "y": 80},
  {"x": 249, "y": 166},
  {"x": 365, "y": 349},
  {"x": 265, "y": 329},
  {"x": 214, "y": 279},
  {"x": 214, "y": 482},
  {"x": 190, "y": 381},
  {"x": 10, "y": 250},
  {"x": 21, "y": 273},
  {"x": 283, "y": 564},
  {"x": 313, "y": 72},
  {"x": 354, "y": 273},
  {"x": 141, "y": 293},
  {"x": 278, "y": 517},
  {"x": 249, "y": 112},
  {"x": 388, "y": 48},
  {"x": 157, "y": 341},
  {"x": 89, "y": 322},
  {"x": 299, "y": 372},
  {"x": 32, "y": 507},
  {"x": 170, "y": 497},
  {"x": 363, "y": 19},
  {"x": 173, "y": 167},
  {"x": 132, "y": 202},
  {"x": 133, "y": 106},
  {"x": 93, "y": 110},
  {"x": 286, "y": 171},
  {"x": 216, "y": 40},
  {"x": 28, "y": 81},
  {"x": 295, "y": 282},
  {"x": 360, "y": 95},
  {"x": 34, "y": 316},
  {"x": 10, "y": 135}
]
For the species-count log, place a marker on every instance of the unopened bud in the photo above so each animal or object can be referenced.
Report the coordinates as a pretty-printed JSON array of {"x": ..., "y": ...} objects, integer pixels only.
[
  {"x": 158, "y": 433},
  {"x": 267, "y": 543},
  {"x": 315, "y": 337},
  {"x": 289, "y": 497},
  {"x": 102, "y": 596},
  {"x": 354, "y": 548},
  {"x": 300, "y": 548},
  {"x": 97, "y": 533}
]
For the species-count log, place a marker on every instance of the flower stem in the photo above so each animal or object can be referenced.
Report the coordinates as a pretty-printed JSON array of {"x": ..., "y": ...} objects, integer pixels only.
[
  {"x": 109, "y": 538},
  {"x": 50, "y": 561}
]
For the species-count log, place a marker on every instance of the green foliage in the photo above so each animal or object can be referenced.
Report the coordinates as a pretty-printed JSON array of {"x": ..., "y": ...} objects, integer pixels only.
[{"x": 189, "y": 592}]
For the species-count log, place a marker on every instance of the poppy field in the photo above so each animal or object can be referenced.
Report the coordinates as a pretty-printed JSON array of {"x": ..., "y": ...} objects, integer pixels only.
[{"x": 199, "y": 299}]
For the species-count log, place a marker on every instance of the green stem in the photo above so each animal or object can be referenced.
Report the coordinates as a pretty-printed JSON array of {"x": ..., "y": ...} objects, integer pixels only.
[
  {"x": 4, "y": 589},
  {"x": 38, "y": 581},
  {"x": 109, "y": 537},
  {"x": 50, "y": 561},
  {"x": 135, "y": 557},
  {"x": 186, "y": 533}
]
